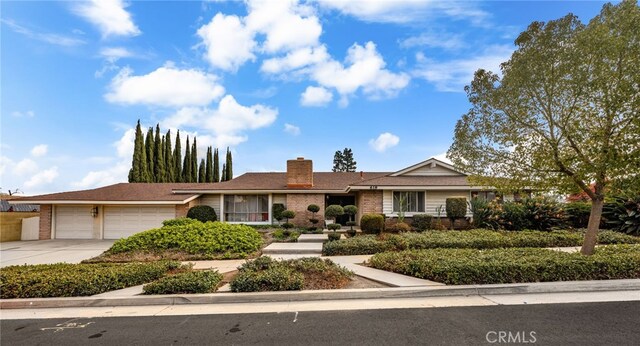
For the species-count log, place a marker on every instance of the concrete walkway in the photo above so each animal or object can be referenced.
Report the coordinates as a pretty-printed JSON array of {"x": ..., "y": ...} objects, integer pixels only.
[{"x": 51, "y": 251}]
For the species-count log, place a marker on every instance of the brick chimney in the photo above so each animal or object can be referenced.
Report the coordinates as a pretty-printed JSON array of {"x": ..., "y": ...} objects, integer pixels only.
[{"x": 299, "y": 173}]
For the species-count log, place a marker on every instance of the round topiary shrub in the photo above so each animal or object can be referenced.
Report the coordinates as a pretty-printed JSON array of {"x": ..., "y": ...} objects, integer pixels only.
[
  {"x": 334, "y": 236},
  {"x": 202, "y": 213},
  {"x": 372, "y": 223},
  {"x": 277, "y": 210},
  {"x": 287, "y": 225},
  {"x": 313, "y": 208},
  {"x": 333, "y": 211},
  {"x": 334, "y": 226}
]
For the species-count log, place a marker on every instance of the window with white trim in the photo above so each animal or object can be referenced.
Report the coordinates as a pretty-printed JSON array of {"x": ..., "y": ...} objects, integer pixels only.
[
  {"x": 246, "y": 208},
  {"x": 411, "y": 201}
]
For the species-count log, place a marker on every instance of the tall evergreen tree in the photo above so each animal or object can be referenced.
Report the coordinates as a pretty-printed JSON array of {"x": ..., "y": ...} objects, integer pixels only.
[
  {"x": 338, "y": 162},
  {"x": 139, "y": 171},
  {"x": 216, "y": 166},
  {"x": 229, "y": 167},
  {"x": 148, "y": 146},
  {"x": 194, "y": 161},
  {"x": 168, "y": 158},
  {"x": 158, "y": 158},
  {"x": 177, "y": 160},
  {"x": 349, "y": 162},
  {"x": 209, "y": 167},
  {"x": 186, "y": 169},
  {"x": 202, "y": 175},
  {"x": 224, "y": 172}
]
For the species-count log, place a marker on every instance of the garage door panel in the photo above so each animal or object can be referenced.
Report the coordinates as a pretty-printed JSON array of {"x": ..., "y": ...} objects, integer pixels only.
[
  {"x": 120, "y": 222},
  {"x": 74, "y": 222}
]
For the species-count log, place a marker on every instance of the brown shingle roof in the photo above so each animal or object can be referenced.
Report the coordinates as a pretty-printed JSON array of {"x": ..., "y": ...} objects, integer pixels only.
[
  {"x": 123, "y": 192},
  {"x": 416, "y": 181}
]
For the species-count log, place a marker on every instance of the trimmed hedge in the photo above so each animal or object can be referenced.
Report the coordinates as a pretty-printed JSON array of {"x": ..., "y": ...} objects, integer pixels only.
[
  {"x": 74, "y": 280},
  {"x": 216, "y": 239},
  {"x": 202, "y": 213},
  {"x": 422, "y": 222},
  {"x": 471, "y": 266},
  {"x": 201, "y": 281},
  {"x": 372, "y": 223},
  {"x": 475, "y": 239}
]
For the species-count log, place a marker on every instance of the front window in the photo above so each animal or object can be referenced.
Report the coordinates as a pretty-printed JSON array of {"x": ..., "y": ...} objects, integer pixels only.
[
  {"x": 484, "y": 195},
  {"x": 408, "y": 201},
  {"x": 246, "y": 208}
]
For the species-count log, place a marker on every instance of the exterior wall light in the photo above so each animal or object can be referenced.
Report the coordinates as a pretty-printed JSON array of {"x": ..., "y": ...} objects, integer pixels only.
[{"x": 94, "y": 211}]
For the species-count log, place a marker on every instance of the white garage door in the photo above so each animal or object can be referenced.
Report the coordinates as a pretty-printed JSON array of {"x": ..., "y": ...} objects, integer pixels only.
[
  {"x": 121, "y": 222},
  {"x": 74, "y": 222}
]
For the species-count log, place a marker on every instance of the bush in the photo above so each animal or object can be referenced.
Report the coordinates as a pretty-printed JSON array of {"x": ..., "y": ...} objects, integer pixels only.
[
  {"x": 334, "y": 236},
  {"x": 74, "y": 280},
  {"x": 202, "y": 213},
  {"x": 350, "y": 210},
  {"x": 313, "y": 208},
  {"x": 543, "y": 214},
  {"x": 333, "y": 211},
  {"x": 372, "y": 223},
  {"x": 181, "y": 221},
  {"x": 334, "y": 226},
  {"x": 288, "y": 225},
  {"x": 201, "y": 281},
  {"x": 399, "y": 227},
  {"x": 284, "y": 235},
  {"x": 276, "y": 211},
  {"x": 623, "y": 214},
  {"x": 470, "y": 266},
  {"x": 511, "y": 215},
  {"x": 288, "y": 214},
  {"x": 215, "y": 239},
  {"x": 266, "y": 274},
  {"x": 578, "y": 214},
  {"x": 456, "y": 207},
  {"x": 483, "y": 215},
  {"x": 422, "y": 222},
  {"x": 360, "y": 245}
]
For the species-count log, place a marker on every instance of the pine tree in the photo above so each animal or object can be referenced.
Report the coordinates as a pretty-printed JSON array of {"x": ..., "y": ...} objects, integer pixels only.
[
  {"x": 338, "y": 162},
  {"x": 148, "y": 146},
  {"x": 216, "y": 167},
  {"x": 138, "y": 172},
  {"x": 186, "y": 169},
  {"x": 229, "y": 169},
  {"x": 158, "y": 157},
  {"x": 224, "y": 172},
  {"x": 209, "y": 167},
  {"x": 168, "y": 159},
  {"x": 202, "y": 172},
  {"x": 349, "y": 162},
  {"x": 177, "y": 160},
  {"x": 194, "y": 161}
]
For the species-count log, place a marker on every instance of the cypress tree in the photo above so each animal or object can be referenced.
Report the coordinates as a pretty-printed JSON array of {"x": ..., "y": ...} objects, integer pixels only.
[
  {"x": 177, "y": 160},
  {"x": 168, "y": 159},
  {"x": 158, "y": 158},
  {"x": 224, "y": 173},
  {"x": 349, "y": 162},
  {"x": 216, "y": 167},
  {"x": 202, "y": 172},
  {"x": 229, "y": 165},
  {"x": 194, "y": 161},
  {"x": 209, "y": 167},
  {"x": 148, "y": 145},
  {"x": 138, "y": 172},
  {"x": 186, "y": 169}
]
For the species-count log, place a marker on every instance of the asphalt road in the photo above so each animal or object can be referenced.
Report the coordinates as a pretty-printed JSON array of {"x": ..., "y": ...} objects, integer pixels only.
[{"x": 616, "y": 323}]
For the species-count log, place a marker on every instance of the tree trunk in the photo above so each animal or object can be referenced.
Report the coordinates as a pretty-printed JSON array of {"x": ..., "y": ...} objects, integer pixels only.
[{"x": 591, "y": 236}]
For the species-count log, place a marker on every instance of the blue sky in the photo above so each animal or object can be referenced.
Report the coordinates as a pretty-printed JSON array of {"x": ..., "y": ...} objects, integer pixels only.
[{"x": 272, "y": 80}]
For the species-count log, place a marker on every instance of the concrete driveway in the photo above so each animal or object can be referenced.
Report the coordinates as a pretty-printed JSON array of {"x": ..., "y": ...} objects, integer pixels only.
[{"x": 50, "y": 251}]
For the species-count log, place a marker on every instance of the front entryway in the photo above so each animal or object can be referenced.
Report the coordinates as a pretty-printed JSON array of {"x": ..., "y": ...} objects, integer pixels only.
[{"x": 340, "y": 200}]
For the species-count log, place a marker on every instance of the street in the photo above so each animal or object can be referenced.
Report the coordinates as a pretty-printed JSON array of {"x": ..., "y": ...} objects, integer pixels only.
[{"x": 612, "y": 323}]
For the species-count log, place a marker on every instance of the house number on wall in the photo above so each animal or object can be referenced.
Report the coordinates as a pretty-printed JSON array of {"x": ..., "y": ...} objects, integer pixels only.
[{"x": 373, "y": 187}]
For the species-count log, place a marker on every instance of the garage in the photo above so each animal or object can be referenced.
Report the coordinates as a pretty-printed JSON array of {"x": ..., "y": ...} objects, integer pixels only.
[
  {"x": 123, "y": 221},
  {"x": 74, "y": 222}
]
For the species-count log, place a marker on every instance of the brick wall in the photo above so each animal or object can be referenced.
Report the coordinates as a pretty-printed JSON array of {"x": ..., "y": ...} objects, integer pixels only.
[
  {"x": 45, "y": 222},
  {"x": 181, "y": 210},
  {"x": 369, "y": 202},
  {"x": 299, "y": 202}
]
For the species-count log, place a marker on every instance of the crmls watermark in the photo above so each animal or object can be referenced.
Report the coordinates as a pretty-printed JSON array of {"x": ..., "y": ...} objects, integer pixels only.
[{"x": 509, "y": 337}]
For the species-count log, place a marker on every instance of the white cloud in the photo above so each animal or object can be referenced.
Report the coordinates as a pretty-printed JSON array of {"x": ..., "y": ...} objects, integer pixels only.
[
  {"x": 291, "y": 129},
  {"x": 116, "y": 174},
  {"x": 27, "y": 114},
  {"x": 316, "y": 96},
  {"x": 24, "y": 167},
  {"x": 453, "y": 75},
  {"x": 295, "y": 59},
  {"x": 227, "y": 41},
  {"x": 55, "y": 39},
  {"x": 113, "y": 54},
  {"x": 166, "y": 86},
  {"x": 39, "y": 150},
  {"x": 124, "y": 146},
  {"x": 443, "y": 157},
  {"x": 384, "y": 141},
  {"x": 443, "y": 40},
  {"x": 43, "y": 177},
  {"x": 109, "y": 16},
  {"x": 5, "y": 163}
]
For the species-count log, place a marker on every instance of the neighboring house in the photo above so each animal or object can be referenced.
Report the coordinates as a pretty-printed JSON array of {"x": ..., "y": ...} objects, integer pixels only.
[
  {"x": 11, "y": 216},
  {"x": 120, "y": 210},
  {"x": 19, "y": 208}
]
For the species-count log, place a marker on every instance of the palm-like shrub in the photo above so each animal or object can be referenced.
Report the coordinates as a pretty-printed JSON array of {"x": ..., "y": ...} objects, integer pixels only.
[{"x": 623, "y": 214}]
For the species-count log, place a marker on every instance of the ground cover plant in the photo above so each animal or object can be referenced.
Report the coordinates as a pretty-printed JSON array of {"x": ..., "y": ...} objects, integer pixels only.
[
  {"x": 186, "y": 239},
  {"x": 74, "y": 280},
  {"x": 475, "y": 239},
  {"x": 285, "y": 236},
  {"x": 266, "y": 274},
  {"x": 493, "y": 266},
  {"x": 193, "y": 281}
]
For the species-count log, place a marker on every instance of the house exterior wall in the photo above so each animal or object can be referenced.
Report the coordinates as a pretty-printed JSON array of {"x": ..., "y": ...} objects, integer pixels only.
[
  {"x": 369, "y": 202},
  {"x": 182, "y": 209},
  {"x": 45, "y": 221},
  {"x": 299, "y": 173},
  {"x": 439, "y": 198},
  {"x": 298, "y": 202},
  {"x": 212, "y": 200}
]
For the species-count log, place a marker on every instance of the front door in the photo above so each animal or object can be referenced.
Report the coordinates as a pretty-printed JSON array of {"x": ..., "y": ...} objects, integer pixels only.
[{"x": 341, "y": 200}]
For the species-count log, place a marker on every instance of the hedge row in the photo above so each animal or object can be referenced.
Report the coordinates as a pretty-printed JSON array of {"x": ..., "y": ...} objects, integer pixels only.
[
  {"x": 201, "y": 281},
  {"x": 475, "y": 239},
  {"x": 266, "y": 274},
  {"x": 73, "y": 280},
  {"x": 194, "y": 237},
  {"x": 471, "y": 266}
]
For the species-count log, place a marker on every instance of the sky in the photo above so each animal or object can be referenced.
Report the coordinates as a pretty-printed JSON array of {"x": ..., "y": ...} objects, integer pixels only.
[{"x": 271, "y": 80}]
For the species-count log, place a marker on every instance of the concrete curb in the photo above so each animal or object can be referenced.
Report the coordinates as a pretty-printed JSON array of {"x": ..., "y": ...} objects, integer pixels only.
[{"x": 294, "y": 296}]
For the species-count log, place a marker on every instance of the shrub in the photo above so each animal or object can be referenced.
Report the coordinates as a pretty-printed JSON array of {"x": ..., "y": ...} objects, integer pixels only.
[
  {"x": 287, "y": 225},
  {"x": 333, "y": 211},
  {"x": 456, "y": 208},
  {"x": 351, "y": 232},
  {"x": 613, "y": 237},
  {"x": 361, "y": 245},
  {"x": 623, "y": 214},
  {"x": 334, "y": 236},
  {"x": 511, "y": 215},
  {"x": 470, "y": 266},
  {"x": 399, "y": 227},
  {"x": 202, "y": 213},
  {"x": 422, "y": 222},
  {"x": 215, "y": 239},
  {"x": 543, "y": 214},
  {"x": 351, "y": 223},
  {"x": 181, "y": 221},
  {"x": 277, "y": 210},
  {"x": 313, "y": 208},
  {"x": 350, "y": 210},
  {"x": 578, "y": 214},
  {"x": 288, "y": 214},
  {"x": 284, "y": 235},
  {"x": 483, "y": 215},
  {"x": 372, "y": 223},
  {"x": 74, "y": 280},
  {"x": 334, "y": 226},
  {"x": 201, "y": 281}
]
